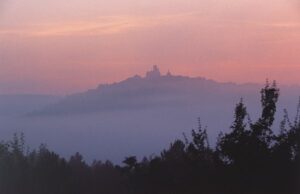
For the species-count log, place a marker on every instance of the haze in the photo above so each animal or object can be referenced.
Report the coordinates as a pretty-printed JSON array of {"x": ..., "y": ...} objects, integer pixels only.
[{"x": 60, "y": 47}]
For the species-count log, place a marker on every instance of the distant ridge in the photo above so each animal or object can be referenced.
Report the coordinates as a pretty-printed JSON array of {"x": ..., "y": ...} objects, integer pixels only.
[{"x": 154, "y": 90}]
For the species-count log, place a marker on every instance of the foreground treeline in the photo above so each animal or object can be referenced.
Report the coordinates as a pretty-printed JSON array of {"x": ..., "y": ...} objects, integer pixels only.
[{"x": 250, "y": 159}]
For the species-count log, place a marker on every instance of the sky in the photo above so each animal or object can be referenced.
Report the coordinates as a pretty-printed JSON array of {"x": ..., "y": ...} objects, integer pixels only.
[{"x": 60, "y": 47}]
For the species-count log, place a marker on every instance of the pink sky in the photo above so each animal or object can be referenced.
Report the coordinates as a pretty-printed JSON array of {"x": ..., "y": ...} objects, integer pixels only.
[{"x": 57, "y": 47}]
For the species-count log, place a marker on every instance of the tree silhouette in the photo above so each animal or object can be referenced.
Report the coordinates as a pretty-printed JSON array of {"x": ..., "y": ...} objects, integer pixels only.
[
  {"x": 131, "y": 162},
  {"x": 269, "y": 98},
  {"x": 232, "y": 147}
]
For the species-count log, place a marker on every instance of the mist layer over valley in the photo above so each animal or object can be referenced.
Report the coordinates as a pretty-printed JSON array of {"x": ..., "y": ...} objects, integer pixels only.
[{"x": 138, "y": 116}]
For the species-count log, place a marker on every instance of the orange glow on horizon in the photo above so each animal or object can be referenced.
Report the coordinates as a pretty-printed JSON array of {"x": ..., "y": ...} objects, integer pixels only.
[{"x": 85, "y": 43}]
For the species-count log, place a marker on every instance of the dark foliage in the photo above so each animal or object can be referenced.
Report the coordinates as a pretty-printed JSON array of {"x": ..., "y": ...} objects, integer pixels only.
[{"x": 250, "y": 159}]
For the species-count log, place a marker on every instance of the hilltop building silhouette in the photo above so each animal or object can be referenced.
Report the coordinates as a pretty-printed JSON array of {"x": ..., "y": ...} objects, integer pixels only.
[{"x": 154, "y": 73}]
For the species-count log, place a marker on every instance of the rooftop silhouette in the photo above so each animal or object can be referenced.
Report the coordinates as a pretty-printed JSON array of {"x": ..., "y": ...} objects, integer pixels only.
[{"x": 154, "y": 73}]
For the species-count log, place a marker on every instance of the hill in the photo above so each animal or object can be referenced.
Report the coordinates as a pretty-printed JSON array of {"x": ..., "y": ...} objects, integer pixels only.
[{"x": 150, "y": 111}]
